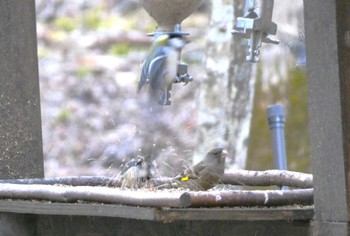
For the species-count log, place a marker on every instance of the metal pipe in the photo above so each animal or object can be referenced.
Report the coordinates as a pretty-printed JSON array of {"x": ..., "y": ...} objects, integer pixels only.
[{"x": 276, "y": 120}]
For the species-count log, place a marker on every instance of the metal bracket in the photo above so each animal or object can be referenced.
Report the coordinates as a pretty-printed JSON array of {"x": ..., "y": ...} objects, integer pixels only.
[{"x": 256, "y": 25}]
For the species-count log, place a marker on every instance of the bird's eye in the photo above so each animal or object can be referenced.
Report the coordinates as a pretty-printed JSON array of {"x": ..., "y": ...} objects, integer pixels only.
[{"x": 217, "y": 152}]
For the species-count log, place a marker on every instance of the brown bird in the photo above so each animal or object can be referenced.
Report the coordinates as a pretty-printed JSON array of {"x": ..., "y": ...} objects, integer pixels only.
[{"x": 204, "y": 175}]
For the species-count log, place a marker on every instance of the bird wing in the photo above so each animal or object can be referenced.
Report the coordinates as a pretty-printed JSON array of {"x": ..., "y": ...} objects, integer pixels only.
[
  {"x": 155, "y": 65},
  {"x": 151, "y": 66},
  {"x": 192, "y": 172}
]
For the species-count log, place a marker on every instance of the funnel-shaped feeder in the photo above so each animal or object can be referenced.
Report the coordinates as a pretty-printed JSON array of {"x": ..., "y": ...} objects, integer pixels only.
[{"x": 168, "y": 13}]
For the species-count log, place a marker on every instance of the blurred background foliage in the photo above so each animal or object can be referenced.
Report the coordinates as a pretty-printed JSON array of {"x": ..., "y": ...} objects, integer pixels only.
[
  {"x": 292, "y": 93},
  {"x": 90, "y": 54}
]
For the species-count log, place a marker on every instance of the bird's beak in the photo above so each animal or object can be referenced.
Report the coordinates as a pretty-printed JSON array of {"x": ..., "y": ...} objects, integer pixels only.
[{"x": 224, "y": 154}]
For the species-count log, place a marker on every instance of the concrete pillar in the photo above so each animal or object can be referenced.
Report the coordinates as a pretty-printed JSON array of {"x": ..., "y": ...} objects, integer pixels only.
[{"x": 20, "y": 119}]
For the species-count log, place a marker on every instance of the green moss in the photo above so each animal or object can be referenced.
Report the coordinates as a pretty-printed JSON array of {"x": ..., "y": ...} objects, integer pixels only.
[
  {"x": 83, "y": 71},
  {"x": 63, "y": 116},
  {"x": 120, "y": 49},
  {"x": 66, "y": 24},
  {"x": 292, "y": 93},
  {"x": 92, "y": 18},
  {"x": 297, "y": 125},
  {"x": 259, "y": 151},
  {"x": 96, "y": 18},
  {"x": 42, "y": 52}
]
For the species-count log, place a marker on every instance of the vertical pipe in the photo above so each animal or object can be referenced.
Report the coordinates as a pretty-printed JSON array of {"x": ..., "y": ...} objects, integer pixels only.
[{"x": 276, "y": 120}]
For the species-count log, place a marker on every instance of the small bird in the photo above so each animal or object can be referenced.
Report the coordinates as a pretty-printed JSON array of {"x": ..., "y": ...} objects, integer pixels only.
[
  {"x": 134, "y": 174},
  {"x": 204, "y": 175},
  {"x": 159, "y": 69}
]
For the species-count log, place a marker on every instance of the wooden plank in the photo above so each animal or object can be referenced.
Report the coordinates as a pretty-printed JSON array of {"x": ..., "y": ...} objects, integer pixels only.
[
  {"x": 237, "y": 214},
  {"x": 326, "y": 28},
  {"x": 329, "y": 228},
  {"x": 156, "y": 214},
  {"x": 20, "y": 121},
  {"x": 50, "y": 208},
  {"x": 15, "y": 224},
  {"x": 84, "y": 225}
]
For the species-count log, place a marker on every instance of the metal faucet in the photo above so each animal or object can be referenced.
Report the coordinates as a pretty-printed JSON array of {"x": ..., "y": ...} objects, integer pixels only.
[{"x": 256, "y": 25}]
